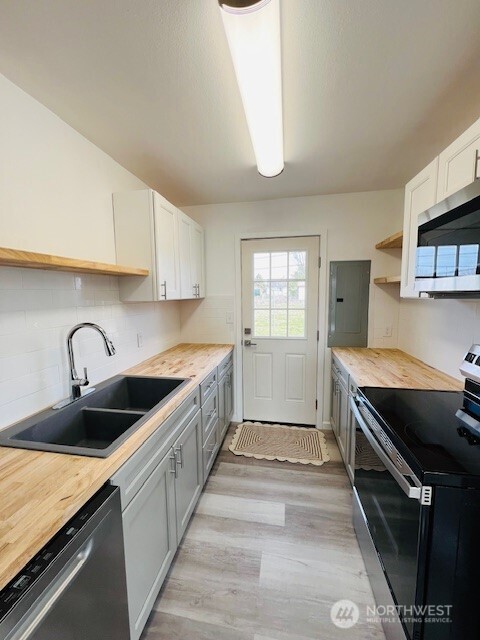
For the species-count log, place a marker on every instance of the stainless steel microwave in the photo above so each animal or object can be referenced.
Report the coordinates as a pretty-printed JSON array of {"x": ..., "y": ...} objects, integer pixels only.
[{"x": 448, "y": 246}]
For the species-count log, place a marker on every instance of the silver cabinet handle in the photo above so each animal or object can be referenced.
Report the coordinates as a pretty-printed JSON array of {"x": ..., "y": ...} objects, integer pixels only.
[
  {"x": 164, "y": 294},
  {"x": 78, "y": 563},
  {"x": 477, "y": 160},
  {"x": 173, "y": 457},
  {"x": 179, "y": 456}
]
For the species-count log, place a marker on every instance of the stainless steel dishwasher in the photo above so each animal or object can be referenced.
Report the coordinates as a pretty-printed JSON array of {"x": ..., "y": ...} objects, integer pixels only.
[{"x": 75, "y": 588}]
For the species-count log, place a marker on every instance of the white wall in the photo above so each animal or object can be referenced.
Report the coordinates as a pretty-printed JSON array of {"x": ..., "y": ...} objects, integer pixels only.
[
  {"x": 439, "y": 332},
  {"x": 349, "y": 225},
  {"x": 55, "y": 186},
  {"x": 56, "y": 197}
]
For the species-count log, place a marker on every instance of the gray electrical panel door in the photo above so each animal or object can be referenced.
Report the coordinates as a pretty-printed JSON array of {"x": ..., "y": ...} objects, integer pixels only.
[{"x": 348, "y": 303}]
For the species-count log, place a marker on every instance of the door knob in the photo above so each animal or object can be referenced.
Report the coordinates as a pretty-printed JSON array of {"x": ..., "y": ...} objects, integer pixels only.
[{"x": 249, "y": 343}]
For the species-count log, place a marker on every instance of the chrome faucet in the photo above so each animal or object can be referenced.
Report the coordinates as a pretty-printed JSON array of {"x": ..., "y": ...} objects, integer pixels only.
[{"x": 76, "y": 381}]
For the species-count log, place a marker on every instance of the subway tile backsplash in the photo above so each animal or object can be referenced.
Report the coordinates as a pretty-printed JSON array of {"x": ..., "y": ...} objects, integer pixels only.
[{"x": 38, "y": 308}]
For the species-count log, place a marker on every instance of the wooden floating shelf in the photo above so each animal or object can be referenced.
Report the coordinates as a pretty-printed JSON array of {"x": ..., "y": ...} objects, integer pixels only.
[
  {"x": 392, "y": 242},
  {"x": 31, "y": 260},
  {"x": 387, "y": 280}
]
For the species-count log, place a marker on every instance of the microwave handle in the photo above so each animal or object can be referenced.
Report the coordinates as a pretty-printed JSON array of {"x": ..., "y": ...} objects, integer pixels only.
[{"x": 403, "y": 481}]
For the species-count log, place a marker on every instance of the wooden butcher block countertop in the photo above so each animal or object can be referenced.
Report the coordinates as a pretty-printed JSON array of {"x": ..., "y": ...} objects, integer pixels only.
[
  {"x": 40, "y": 492},
  {"x": 393, "y": 368}
]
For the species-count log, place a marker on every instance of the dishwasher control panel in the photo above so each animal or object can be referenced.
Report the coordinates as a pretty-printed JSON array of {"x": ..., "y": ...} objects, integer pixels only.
[{"x": 20, "y": 585}]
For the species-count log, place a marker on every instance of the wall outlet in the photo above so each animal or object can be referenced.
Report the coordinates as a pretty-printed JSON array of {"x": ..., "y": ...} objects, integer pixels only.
[
  {"x": 139, "y": 340},
  {"x": 229, "y": 317},
  {"x": 388, "y": 333}
]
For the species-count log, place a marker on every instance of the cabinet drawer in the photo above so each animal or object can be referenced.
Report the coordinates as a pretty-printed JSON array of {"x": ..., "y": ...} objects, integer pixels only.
[
  {"x": 209, "y": 414},
  {"x": 208, "y": 386},
  {"x": 209, "y": 452},
  {"x": 131, "y": 476},
  {"x": 223, "y": 366}
]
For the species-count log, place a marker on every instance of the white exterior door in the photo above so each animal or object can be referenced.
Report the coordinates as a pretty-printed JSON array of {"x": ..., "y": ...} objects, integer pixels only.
[{"x": 279, "y": 317}]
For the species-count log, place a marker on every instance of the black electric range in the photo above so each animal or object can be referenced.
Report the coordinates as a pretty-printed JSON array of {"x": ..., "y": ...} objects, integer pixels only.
[
  {"x": 417, "y": 507},
  {"x": 429, "y": 430}
]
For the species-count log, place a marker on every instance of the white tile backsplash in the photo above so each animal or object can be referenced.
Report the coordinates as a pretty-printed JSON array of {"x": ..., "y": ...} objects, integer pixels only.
[
  {"x": 439, "y": 332},
  {"x": 206, "y": 320},
  {"x": 38, "y": 308}
]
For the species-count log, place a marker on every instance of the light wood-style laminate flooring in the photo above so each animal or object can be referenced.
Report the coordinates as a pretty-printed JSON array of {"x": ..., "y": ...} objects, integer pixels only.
[{"x": 270, "y": 548}]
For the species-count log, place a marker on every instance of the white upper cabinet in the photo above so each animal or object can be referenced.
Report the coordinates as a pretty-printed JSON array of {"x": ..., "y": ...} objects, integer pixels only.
[
  {"x": 191, "y": 242},
  {"x": 166, "y": 248},
  {"x": 459, "y": 165},
  {"x": 198, "y": 259},
  {"x": 149, "y": 231},
  {"x": 420, "y": 194}
]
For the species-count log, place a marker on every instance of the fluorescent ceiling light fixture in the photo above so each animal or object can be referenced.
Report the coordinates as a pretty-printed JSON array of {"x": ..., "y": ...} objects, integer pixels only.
[{"x": 253, "y": 34}]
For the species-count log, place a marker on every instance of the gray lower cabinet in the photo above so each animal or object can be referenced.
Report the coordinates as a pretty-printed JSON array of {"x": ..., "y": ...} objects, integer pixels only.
[
  {"x": 343, "y": 416},
  {"x": 222, "y": 416},
  {"x": 159, "y": 488},
  {"x": 334, "y": 407},
  {"x": 350, "y": 461},
  {"x": 342, "y": 422},
  {"x": 229, "y": 396},
  {"x": 150, "y": 537},
  {"x": 160, "y": 485},
  {"x": 188, "y": 473},
  {"x": 225, "y": 403}
]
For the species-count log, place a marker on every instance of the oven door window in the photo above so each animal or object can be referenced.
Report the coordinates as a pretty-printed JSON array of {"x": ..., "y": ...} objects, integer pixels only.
[{"x": 393, "y": 520}]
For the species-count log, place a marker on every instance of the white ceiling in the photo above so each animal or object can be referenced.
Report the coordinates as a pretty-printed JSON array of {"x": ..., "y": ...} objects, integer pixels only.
[{"x": 373, "y": 89}]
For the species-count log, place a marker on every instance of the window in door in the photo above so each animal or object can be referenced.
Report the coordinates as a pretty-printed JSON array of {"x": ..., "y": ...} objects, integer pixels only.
[{"x": 279, "y": 294}]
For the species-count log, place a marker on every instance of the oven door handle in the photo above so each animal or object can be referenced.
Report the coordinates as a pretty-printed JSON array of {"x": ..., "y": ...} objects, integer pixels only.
[{"x": 412, "y": 491}]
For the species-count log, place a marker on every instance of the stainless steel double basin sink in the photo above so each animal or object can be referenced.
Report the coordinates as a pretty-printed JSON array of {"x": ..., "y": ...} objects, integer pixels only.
[{"x": 98, "y": 423}]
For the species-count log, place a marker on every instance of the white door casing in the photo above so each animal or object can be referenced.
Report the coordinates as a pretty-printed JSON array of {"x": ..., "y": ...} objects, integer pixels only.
[{"x": 280, "y": 307}]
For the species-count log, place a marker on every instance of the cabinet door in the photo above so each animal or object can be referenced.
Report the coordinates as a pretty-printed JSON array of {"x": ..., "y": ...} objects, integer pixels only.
[
  {"x": 186, "y": 283},
  {"x": 197, "y": 255},
  {"x": 149, "y": 530},
  {"x": 222, "y": 416},
  {"x": 342, "y": 420},
  {"x": 420, "y": 194},
  {"x": 352, "y": 430},
  {"x": 228, "y": 396},
  {"x": 135, "y": 243},
  {"x": 458, "y": 164},
  {"x": 166, "y": 249},
  {"x": 189, "y": 480},
  {"x": 334, "y": 403}
]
